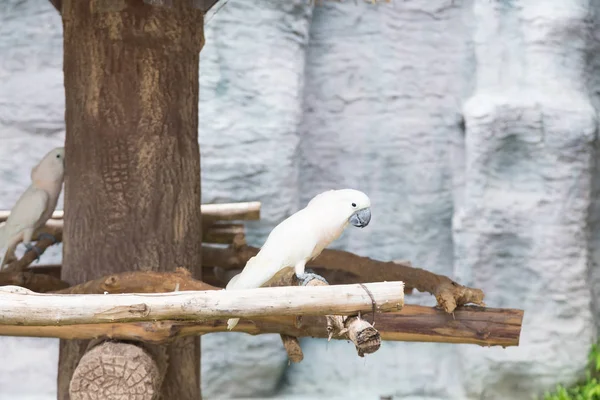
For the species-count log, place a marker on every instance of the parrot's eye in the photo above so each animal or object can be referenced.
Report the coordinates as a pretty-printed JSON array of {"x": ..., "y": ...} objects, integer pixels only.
[
  {"x": 353, "y": 204},
  {"x": 58, "y": 156}
]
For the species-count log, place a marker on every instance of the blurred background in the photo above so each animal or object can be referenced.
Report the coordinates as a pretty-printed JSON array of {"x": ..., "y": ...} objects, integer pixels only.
[{"x": 472, "y": 126}]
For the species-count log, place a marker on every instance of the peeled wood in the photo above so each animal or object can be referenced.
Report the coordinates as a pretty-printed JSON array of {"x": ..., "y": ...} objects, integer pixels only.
[
  {"x": 58, "y": 309},
  {"x": 467, "y": 325},
  {"x": 217, "y": 212}
]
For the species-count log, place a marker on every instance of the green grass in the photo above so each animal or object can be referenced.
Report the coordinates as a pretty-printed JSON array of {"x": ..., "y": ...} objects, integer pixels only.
[{"x": 589, "y": 389}]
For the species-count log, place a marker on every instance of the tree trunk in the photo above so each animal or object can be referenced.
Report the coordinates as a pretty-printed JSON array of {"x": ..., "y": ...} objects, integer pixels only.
[{"x": 132, "y": 186}]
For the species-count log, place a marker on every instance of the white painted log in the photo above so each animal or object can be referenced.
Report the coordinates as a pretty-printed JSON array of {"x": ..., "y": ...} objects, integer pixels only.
[
  {"x": 24, "y": 307},
  {"x": 222, "y": 212}
]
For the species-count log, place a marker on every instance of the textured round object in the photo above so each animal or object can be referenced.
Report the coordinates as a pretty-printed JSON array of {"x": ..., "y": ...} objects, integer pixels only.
[{"x": 116, "y": 371}]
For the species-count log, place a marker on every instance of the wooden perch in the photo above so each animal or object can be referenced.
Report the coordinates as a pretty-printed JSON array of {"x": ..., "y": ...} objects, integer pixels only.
[
  {"x": 483, "y": 326},
  {"x": 216, "y": 212},
  {"x": 30, "y": 256},
  {"x": 448, "y": 293},
  {"x": 140, "y": 282},
  {"x": 468, "y": 325},
  {"x": 19, "y": 306},
  {"x": 33, "y": 281},
  {"x": 223, "y": 233}
]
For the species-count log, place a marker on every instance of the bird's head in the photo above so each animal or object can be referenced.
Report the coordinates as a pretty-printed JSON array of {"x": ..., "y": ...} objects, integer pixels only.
[
  {"x": 51, "y": 167},
  {"x": 352, "y": 205}
]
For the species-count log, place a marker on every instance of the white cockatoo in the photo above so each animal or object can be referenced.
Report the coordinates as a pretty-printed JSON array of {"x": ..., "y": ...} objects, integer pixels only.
[
  {"x": 36, "y": 204},
  {"x": 302, "y": 237}
]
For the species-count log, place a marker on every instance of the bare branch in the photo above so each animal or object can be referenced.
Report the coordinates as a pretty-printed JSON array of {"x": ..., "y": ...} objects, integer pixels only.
[
  {"x": 33, "y": 281},
  {"x": 65, "y": 309}
]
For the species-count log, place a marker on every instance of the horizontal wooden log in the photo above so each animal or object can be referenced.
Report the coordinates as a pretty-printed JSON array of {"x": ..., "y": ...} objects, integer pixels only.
[
  {"x": 19, "y": 306},
  {"x": 222, "y": 233},
  {"x": 467, "y": 325},
  {"x": 218, "y": 212}
]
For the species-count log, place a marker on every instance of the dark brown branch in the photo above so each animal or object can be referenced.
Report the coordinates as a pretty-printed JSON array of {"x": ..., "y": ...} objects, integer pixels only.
[
  {"x": 222, "y": 233},
  {"x": 33, "y": 281},
  {"x": 29, "y": 257},
  {"x": 468, "y": 324},
  {"x": 140, "y": 282},
  {"x": 357, "y": 269},
  {"x": 219, "y": 233}
]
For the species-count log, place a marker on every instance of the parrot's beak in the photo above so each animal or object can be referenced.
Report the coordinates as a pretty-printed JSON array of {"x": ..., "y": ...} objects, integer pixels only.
[{"x": 361, "y": 218}]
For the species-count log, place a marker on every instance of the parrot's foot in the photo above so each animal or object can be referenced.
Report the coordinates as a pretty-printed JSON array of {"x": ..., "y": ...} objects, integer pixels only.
[
  {"x": 309, "y": 276},
  {"x": 36, "y": 249}
]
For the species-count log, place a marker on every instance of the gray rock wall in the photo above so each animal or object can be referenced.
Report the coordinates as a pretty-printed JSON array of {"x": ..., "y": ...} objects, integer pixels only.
[{"x": 472, "y": 126}]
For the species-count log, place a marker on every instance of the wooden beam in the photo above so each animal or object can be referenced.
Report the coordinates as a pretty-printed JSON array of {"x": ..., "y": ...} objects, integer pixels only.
[
  {"x": 484, "y": 326},
  {"x": 19, "y": 306},
  {"x": 247, "y": 211},
  {"x": 467, "y": 325}
]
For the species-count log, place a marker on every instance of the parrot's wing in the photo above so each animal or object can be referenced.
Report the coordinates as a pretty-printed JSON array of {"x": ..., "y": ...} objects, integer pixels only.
[{"x": 26, "y": 212}]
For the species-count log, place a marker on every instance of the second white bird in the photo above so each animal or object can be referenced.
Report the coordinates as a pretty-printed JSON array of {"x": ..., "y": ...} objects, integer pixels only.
[{"x": 36, "y": 204}]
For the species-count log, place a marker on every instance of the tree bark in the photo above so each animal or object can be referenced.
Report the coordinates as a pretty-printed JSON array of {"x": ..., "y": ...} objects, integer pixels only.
[{"x": 132, "y": 186}]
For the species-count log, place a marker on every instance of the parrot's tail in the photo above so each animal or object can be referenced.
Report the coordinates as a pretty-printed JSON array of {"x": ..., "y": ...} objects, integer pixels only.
[
  {"x": 232, "y": 322},
  {"x": 3, "y": 240},
  {"x": 233, "y": 284},
  {"x": 3, "y": 237}
]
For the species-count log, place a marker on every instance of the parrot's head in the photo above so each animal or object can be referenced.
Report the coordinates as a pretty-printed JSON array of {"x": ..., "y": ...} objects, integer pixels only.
[
  {"x": 51, "y": 167},
  {"x": 352, "y": 205}
]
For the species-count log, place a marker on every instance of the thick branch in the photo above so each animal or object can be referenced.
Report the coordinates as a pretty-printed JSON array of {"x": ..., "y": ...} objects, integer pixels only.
[
  {"x": 468, "y": 324},
  {"x": 223, "y": 233},
  {"x": 448, "y": 293},
  {"x": 33, "y": 281},
  {"x": 29, "y": 257},
  {"x": 219, "y": 233},
  {"x": 140, "y": 282},
  {"x": 65, "y": 309}
]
